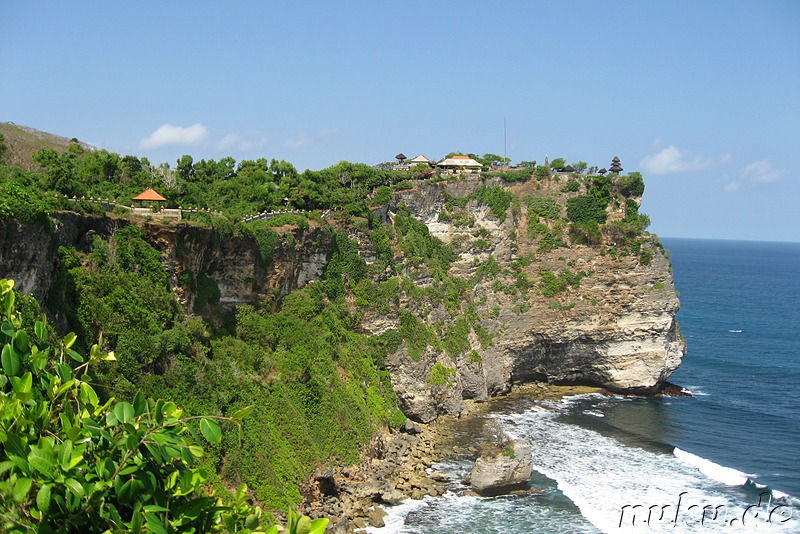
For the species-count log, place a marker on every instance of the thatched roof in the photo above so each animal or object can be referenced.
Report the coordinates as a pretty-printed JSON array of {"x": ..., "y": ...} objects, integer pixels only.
[
  {"x": 569, "y": 168},
  {"x": 419, "y": 159},
  {"x": 400, "y": 156},
  {"x": 602, "y": 171},
  {"x": 150, "y": 194}
]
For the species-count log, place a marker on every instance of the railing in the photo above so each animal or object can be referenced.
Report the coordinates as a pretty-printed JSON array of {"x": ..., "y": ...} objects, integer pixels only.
[{"x": 177, "y": 214}]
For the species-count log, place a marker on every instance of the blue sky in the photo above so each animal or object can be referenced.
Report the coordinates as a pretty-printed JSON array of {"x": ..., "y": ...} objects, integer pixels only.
[{"x": 702, "y": 97}]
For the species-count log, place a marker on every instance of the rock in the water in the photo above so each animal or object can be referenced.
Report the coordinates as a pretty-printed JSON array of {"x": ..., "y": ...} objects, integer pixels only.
[
  {"x": 392, "y": 497},
  {"x": 376, "y": 516},
  {"x": 503, "y": 470}
]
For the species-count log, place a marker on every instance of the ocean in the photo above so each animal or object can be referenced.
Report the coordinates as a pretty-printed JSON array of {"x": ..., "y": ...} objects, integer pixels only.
[{"x": 726, "y": 459}]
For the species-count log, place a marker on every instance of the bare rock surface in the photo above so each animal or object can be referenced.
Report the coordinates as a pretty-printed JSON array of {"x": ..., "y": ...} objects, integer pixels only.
[{"x": 503, "y": 469}]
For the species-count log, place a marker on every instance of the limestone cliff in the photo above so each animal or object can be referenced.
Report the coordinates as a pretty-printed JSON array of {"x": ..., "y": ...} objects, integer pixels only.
[
  {"x": 616, "y": 328},
  {"x": 606, "y": 318}
]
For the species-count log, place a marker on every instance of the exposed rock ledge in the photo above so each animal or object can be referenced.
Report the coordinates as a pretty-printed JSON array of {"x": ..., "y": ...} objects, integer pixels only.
[
  {"x": 615, "y": 329},
  {"x": 398, "y": 465},
  {"x": 503, "y": 469}
]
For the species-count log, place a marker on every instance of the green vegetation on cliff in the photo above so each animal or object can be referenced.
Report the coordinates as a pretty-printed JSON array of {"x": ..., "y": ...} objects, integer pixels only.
[
  {"x": 319, "y": 386},
  {"x": 318, "y": 383}
]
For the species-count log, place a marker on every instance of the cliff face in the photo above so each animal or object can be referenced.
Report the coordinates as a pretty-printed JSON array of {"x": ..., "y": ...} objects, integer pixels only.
[
  {"x": 234, "y": 264},
  {"x": 616, "y": 328},
  {"x": 522, "y": 311}
]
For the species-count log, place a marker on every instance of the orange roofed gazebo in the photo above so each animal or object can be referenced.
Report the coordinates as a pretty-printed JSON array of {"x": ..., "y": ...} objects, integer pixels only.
[{"x": 150, "y": 195}]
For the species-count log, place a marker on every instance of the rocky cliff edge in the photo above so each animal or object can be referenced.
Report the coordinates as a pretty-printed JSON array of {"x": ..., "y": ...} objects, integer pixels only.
[{"x": 523, "y": 299}]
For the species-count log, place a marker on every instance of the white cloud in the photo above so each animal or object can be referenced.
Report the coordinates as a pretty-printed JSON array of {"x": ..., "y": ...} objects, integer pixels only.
[
  {"x": 673, "y": 160},
  {"x": 168, "y": 134},
  {"x": 301, "y": 141},
  {"x": 241, "y": 143},
  {"x": 304, "y": 139},
  {"x": 762, "y": 171},
  {"x": 732, "y": 187},
  {"x": 656, "y": 144}
]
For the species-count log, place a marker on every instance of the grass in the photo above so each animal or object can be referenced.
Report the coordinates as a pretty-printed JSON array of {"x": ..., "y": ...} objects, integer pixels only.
[{"x": 23, "y": 141}]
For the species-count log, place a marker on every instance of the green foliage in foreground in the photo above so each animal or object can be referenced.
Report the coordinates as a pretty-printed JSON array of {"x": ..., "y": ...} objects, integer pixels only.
[{"x": 71, "y": 462}]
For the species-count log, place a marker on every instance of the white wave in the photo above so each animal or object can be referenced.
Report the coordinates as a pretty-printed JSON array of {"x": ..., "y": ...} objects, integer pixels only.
[
  {"x": 726, "y": 475},
  {"x": 615, "y": 486},
  {"x": 695, "y": 391},
  {"x": 396, "y": 515},
  {"x": 594, "y": 413},
  {"x": 734, "y": 331},
  {"x": 469, "y": 514}
]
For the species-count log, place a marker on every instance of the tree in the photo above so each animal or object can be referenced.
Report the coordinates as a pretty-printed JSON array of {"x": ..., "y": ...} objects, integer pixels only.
[
  {"x": 631, "y": 185},
  {"x": 558, "y": 163},
  {"x": 489, "y": 160},
  {"x": 527, "y": 163},
  {"x": 186, "y": 167},
  {"x": 580, "y": 166},
  {"x": 60, "y": 171}
]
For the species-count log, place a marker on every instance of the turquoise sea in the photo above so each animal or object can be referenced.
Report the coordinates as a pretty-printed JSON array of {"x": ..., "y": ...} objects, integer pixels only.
[{"x": 724, "y": 460}]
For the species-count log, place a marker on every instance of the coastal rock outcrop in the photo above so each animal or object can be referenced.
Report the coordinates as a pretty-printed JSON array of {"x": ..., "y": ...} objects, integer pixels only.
[
  {"x": 503, "y": 469},
  {"x": 597, "y": 313}
]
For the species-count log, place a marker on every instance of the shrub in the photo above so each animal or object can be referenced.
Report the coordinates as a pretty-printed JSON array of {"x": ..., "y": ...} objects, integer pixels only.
[
  {"x": 417, "y": 334},
  {"x": 267, "y": 240},
  {"x": 631, "y": 185},
  {"x": 585, "y": 209},
  {"x": 441, "y": 375},
  {"x": 382, "y": 196},
  {"x": 416, "y": 241},
  {"x": 18, "y": 201},
  {"x": 522, "y": 175},
  {"x": 497, "y": 198},
  {"x": 543, "y": 207},
  {"x": 571, "y": 187},
  {"x": 552, "y": 284},
  {"x": 549, "y": 239},
  {"x": 456, "y": 339},
  {"x": 586, "y": 233},
  {"x": 109, "y": 465}
]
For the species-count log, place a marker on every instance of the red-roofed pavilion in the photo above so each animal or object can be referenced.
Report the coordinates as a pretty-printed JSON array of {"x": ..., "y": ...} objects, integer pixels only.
[{"x": 150, "y": 195}]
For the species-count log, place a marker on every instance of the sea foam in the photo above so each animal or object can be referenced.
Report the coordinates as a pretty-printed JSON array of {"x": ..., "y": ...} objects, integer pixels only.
[{"x": 725, "y": 475}]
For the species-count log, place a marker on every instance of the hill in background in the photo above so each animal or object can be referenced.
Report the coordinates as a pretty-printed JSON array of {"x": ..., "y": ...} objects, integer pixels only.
[{"x": 23, "y": 141}]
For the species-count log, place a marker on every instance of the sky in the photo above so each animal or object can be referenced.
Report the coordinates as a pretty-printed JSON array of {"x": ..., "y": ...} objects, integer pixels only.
[{"x": 702, "y": 98}]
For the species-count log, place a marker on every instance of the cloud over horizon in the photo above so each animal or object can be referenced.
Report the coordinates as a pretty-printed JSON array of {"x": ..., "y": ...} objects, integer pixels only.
[
  {"x": 759, "y": 172},
  {"x": 305, "y": 139},
  {"x": 762, "y": 171},
  {"x": 167, "y": 135},
  {"x": 673, "y": 160},
  {"x": 241, "y": 143}
]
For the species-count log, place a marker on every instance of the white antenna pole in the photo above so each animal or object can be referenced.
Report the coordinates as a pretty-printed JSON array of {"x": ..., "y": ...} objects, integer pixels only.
[{"x": 505, "y": 143}]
